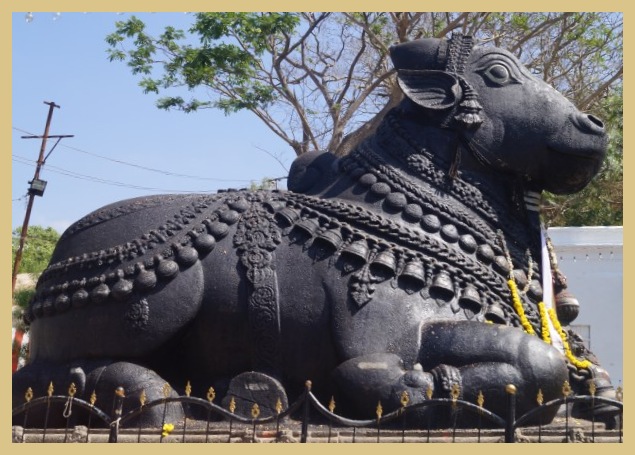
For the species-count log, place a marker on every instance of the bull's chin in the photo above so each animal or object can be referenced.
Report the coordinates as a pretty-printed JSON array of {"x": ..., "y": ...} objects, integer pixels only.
[{"x": 570, "y": 172}]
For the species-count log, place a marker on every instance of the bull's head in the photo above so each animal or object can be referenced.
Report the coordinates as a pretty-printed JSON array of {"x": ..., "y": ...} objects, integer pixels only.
[{"x": 512, "y": 121}]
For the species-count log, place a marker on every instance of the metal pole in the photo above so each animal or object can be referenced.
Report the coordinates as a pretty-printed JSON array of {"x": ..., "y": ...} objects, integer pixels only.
[
  {"x": 117, "y": 412},
  {"x": 27, "y": 216},
  {"x": 511, "y": 413},
  {"x": 305, "y": 417}
]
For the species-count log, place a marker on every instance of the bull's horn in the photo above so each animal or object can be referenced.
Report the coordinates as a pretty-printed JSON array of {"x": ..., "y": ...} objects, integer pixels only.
[{"x": 427, "y": 53}]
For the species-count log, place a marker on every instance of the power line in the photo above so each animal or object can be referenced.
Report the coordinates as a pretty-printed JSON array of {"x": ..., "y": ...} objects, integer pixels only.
[
  {"x": 76, "y": 175},
  {"x": 145, "y": 168}
]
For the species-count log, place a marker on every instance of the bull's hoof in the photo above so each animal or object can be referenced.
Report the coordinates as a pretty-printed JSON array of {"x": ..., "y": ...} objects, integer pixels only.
[
  {"x": 254, "y": 395},
  {"x": 98, "y": 379},
  {"x": 140, "y": 384}
]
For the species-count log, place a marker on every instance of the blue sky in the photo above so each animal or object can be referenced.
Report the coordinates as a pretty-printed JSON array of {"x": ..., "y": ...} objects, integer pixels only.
[{"x": 63, "y": 59}]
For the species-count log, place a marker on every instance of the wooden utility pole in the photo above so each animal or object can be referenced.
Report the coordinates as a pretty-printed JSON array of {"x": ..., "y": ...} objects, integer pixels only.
[{"x": 36, "y": 188}]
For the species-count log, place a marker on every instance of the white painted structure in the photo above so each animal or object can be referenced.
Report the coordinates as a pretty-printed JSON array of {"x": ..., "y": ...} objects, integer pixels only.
[{"x": 592, "y": 259}]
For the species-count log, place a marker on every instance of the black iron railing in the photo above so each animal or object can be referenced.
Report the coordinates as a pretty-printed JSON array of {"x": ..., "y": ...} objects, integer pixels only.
[{"x": 303, "y": 413}]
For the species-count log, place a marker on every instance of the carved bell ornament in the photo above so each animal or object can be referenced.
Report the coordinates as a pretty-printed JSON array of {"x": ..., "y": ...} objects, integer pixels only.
[
  {"x": 413, "y": 270},
  {"x": 308, "y": 226},
  {"x": 442, "y": 284},
  {"x": 357, "y": 251},
  {"x": 331, "y": 238},
  {"x": 384, "y": 264},
  {"x": 495, "y": 314},
  {"x": 287, "y": 216},
  {"x": 470, "y": 298},
  {"x": 567, "y": 307}
]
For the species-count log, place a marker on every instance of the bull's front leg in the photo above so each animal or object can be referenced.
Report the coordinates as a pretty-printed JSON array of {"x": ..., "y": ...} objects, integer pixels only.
[
  {"x": 477, "y": 357},
  {"x": 489, "y": 357},
  {"x": 364, "y": 381}
]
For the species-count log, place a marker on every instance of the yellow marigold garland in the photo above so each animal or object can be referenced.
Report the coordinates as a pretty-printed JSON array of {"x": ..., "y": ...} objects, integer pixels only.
[
  {"x": 581, "y": 364},
  {"x": 518, "y": 306},
  {"x": 544, "y": 323},
  {"x": 544, "y": 329}
]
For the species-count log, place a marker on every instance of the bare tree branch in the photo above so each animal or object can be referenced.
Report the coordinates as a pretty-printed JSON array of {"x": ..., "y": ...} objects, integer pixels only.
[{"x": 593, "y": 97}]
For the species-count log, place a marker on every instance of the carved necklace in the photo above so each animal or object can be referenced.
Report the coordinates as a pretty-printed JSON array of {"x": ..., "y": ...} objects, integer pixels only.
[
  {"x": 467, "y": 210},
  {"x": 367, "y": 235},
  {"x": 488, "y": 200}
]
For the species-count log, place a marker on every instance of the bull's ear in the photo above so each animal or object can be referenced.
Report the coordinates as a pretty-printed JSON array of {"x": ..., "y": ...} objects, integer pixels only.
[{"x": 430, "y": 89}]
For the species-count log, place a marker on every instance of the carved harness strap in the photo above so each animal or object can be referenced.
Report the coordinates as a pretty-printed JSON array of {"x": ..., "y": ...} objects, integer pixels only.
[{"x": 256, "y": 239}]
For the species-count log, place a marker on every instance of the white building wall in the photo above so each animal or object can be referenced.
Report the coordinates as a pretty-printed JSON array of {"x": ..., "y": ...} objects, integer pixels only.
[{"x": 591, "y": 258}]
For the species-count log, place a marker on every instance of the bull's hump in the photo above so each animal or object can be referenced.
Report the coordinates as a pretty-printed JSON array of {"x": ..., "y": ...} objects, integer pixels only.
[{"x": 124, "y": 208}]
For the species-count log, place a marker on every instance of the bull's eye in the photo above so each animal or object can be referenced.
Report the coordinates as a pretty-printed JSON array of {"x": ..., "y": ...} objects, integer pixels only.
[{"x": 498, "y": 74}]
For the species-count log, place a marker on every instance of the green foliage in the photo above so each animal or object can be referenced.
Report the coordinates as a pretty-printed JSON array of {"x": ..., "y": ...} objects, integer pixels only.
[
  {"x": 22, "y": 297},
  {"x": 265, "y": 184},
  {"x": 322, "y": 81},
  {"x": 227, "y": 66},
  {"x": 38, "y": 248}
]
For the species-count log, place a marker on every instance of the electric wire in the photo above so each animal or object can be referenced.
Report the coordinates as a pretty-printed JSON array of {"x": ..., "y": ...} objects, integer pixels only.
[
  {"x": 62, "y": 171},
  {"x": 138, "y": 166}
]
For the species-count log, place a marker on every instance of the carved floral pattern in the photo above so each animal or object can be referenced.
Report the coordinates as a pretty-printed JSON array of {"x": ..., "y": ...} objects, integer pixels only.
[{"x": 256, "y": 239}]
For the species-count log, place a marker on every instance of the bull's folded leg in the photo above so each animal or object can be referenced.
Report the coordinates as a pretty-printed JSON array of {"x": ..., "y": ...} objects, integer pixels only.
[
  {"x": 479, "y": 358},
  {"x": 490, "y": 357},
  {"x": 364, "y": 381},
  {"x": 43, "y": 378},
  {"x": 101, "y": 377},
  {"x": 136, "y": 381}
]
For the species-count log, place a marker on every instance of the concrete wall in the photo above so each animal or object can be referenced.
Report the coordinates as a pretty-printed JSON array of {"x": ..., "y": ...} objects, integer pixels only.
[{"x": 591, "y": 258}]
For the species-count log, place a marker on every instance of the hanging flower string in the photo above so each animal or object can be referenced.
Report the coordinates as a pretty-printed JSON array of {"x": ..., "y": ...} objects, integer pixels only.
[
  {"x": 511, "y": 283},
  {"x": 518, "y": 306},
  {"x": 544, "y": 323},
  {"x": 544, "y": 314},
  {"x": 581, "y": 364}
]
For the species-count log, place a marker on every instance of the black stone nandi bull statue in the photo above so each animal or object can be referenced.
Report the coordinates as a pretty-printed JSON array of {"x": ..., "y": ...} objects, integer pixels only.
[{"x": 413, "y": 263}]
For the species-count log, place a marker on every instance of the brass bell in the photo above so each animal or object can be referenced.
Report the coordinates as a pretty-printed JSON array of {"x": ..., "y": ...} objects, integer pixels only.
[
  {"x": 495, "y": 314},
  {"x": 384, "y": 264},
  {"x": 567, "y": 307},
  {"x": 413, "y": 276},
  {"x": 442, "y": 286}
]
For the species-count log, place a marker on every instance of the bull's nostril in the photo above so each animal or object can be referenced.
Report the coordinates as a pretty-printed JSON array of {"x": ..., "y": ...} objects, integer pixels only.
[
  {"x": 596, "y": 121},
  {"x": 587, "y": 123}
]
